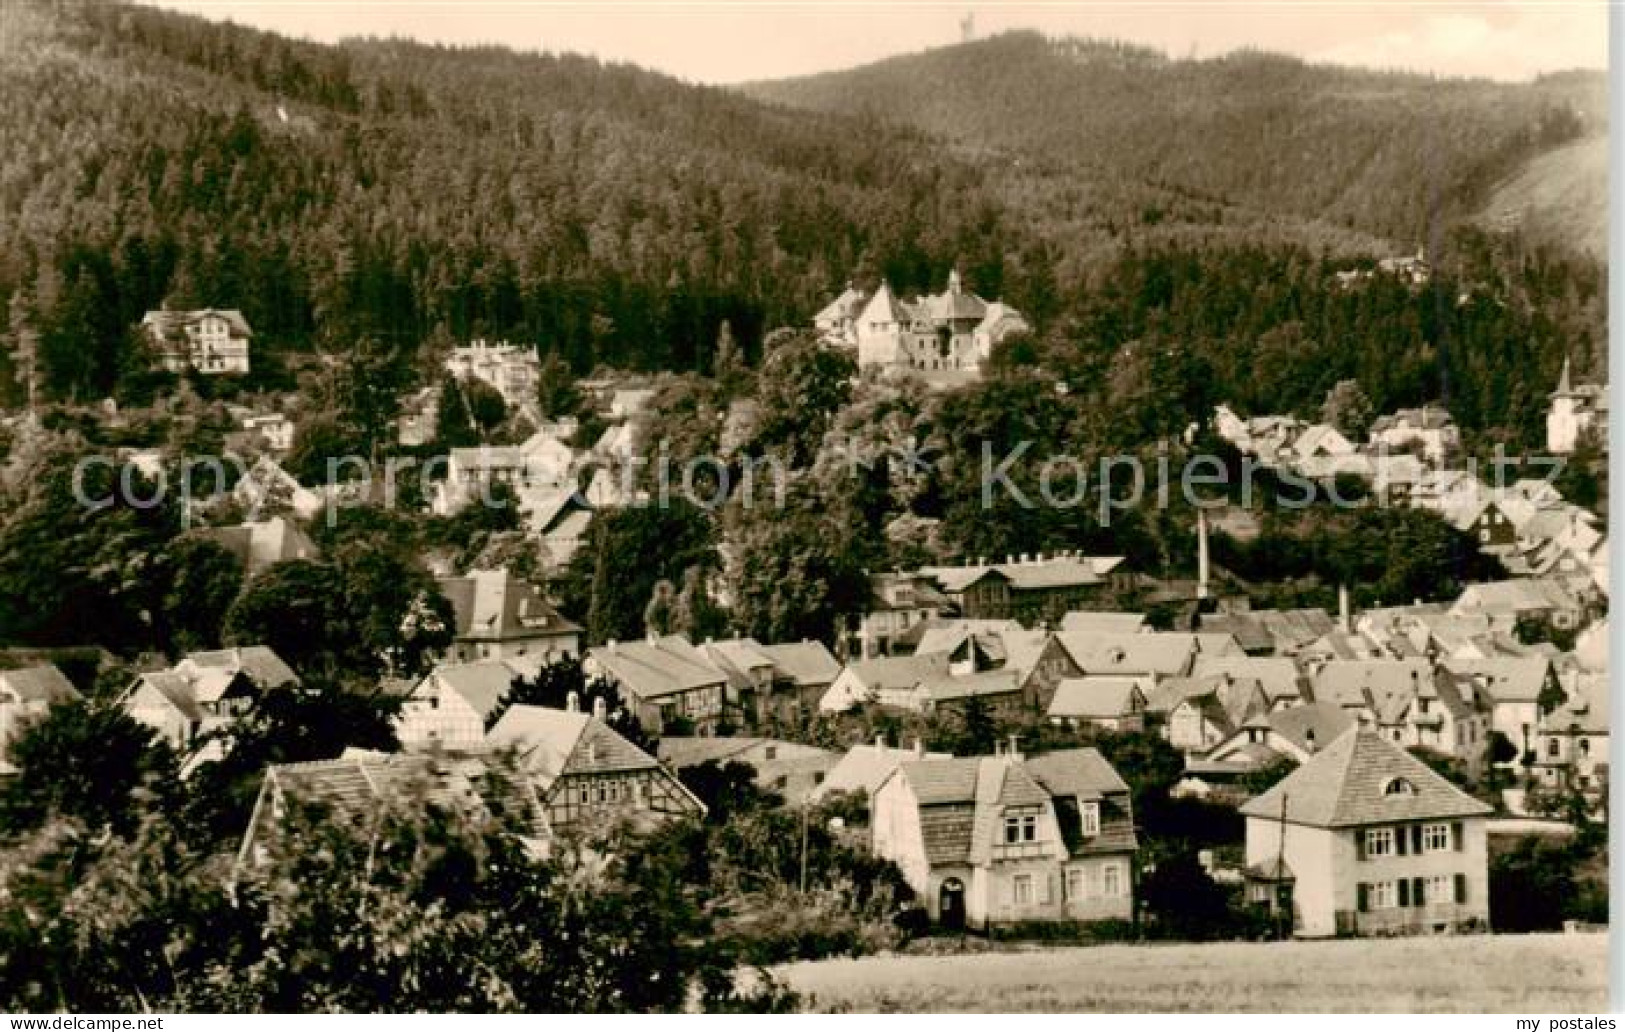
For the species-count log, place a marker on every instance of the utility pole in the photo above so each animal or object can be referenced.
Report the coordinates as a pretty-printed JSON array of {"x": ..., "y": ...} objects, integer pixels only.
[{"x": 804, "y": 806}]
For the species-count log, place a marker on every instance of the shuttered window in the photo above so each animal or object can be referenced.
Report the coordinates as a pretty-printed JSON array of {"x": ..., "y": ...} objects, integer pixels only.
[{"x": 1461, "y": 888}]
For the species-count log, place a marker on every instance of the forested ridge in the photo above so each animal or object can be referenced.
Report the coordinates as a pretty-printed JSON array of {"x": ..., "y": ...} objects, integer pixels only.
[{"x": 1398, "y": 155}]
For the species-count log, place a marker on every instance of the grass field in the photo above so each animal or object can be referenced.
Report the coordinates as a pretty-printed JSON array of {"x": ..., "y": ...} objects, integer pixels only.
[{"x": 1526, "y": 974}]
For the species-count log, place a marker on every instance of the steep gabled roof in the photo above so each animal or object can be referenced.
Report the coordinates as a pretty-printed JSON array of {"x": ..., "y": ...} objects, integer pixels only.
[
  {"x": 807, "y": 663},
  {"x": 482, "y": 684},
  {"x": 1086, "y": 622},
  {"x": 1099, "y": 697},
  {"x": 1163, "y": 654},
  {"x": 1507, "y": 678},
  {"x": 658, "y": 667},
  {"x": 551, "y": 743},
  {"x": 1361, "y": 779}
]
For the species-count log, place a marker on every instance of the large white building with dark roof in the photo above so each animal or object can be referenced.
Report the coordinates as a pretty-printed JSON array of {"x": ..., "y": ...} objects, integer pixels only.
[{"x": 948, "y": 333}]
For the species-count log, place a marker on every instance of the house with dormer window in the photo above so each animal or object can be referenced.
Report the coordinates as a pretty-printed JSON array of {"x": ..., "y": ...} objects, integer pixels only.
[
  {"x": 996, "y": 840},
  {"x": 500, "y": 616}
]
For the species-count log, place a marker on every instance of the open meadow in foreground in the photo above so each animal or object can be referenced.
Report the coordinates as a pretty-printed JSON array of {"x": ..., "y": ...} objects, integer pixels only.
[{"x": 1528, "y": 974}]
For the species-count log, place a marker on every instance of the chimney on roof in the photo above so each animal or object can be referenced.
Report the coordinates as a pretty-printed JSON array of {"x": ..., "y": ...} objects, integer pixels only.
[
  {"x": 880, "y": 742},
  {"x": 1009, "y": 560},
  {"x": 1343, "y": 618},
  {"x": 572, "y": 702},
  {"x": 1015, "y": 749},
  {"x": 610, "y": 644},
  {"x": 600, "y": 708},
  {"x": 1203, "y": 564},
  {"x": 919, "y": 748},
  {"x": 1309, "y": 739}
]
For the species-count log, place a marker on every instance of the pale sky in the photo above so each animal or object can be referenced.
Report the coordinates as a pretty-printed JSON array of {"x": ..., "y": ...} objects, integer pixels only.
[{"x": 727, "y": 41}]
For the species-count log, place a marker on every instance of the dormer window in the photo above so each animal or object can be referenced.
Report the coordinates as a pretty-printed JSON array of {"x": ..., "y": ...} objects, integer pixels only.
[
  {"x": 1398, "y": 787},
  {"x": 1089, "y": 814}
]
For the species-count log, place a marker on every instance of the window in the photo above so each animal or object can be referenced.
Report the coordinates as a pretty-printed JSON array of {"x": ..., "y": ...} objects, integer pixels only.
[
  {"x": 1439, "y": 889},
  {"x": 1552, "y": 748},
  {"x": 1091, "y": 819},
  {"x": 1381, "y": 895},
  {"x": 1022, "y": 889},
  {"x": 1021, "y": 829},
  {"x": 1074, "y": 883},
  {"x": 1398, "y": 787},
  {"x": 1585, "y": 747},
  {"x": 772, "y": 752},
  {"x": 1111, "y": 879},
  {"x": 1435, "y": 838},
  {"x": 1379, "y": 841}
]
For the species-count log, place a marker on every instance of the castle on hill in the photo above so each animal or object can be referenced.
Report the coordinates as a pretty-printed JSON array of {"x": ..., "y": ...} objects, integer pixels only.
[{"x": 951, "y": 332}]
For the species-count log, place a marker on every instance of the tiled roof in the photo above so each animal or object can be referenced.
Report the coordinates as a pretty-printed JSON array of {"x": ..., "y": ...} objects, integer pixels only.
[
  {"x": 259, "y": 663},
  {"x": 1278, "y": 675},
  {"x": 551, "y": 743},
  {"x": 1353, "y": 782},
  {"x": 1507, "y": 678},
  {"x": 807, "y": 663},
  {"x": 864, "y": 767},
  {"x": 1162, "y": 654},
  {"x": 653, "y": 669},
  {"x": 494, "y": 605},
  {"x": 1355, "y": 682},
  {"x": 482, "y": 684},
  {"x": 1100, "y": 696},
  {"x": 899, "y": 672},
  {"x": 1075, "y": 772},
  {"x": 1086, "y": 622},
  {"x": 1325, "y": 720},
  {"x": 1033, "y": 575},
  {"x": 167, "y": 322},
  {"x": 354, "y": 785},
  {"x": 948, "y": 687}
]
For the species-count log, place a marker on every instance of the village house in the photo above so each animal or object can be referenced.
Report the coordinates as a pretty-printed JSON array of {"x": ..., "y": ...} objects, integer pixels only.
[
  {"x": 472, "y": 475},
  {"x": 997, "y": 840},
  {"x": 1440, "y": 713},
  {"x": 789, "y": 769},
  {"x": 1428, "y": 429},
  {"x": 205, "y": 691},
  {"x": 781, "y": 680},
  {"x": 952, "y": 332},
  {"x": 586, "y": 776},
  {"x": 1037, "y": 659},
  {"x": 1506, "y": 602},
  {"x": 1572, "y": 752},
  {"x": 26, "y": 695},
  {"x": 1365, "y": 839},
  {"x": 1104, "y": 703},
  {"x": 450, "y": 706},
  {"x": 883, "y": 681},
  {"x": 500, "y": 616},
  {"x": 1293, "y": 735},
  {"x": 1576, "y": 412},
  {"x": 1518, "y": 689},
  {"x": 353, "y": 788},
  {"x": 1030, "y": 588},
  {"x": 272, "y": 430},
  {"x": 211, "y": 341},
  {"x": 1367, "y": 686},
  {"x": 899, "y": 603},
  {"x": 1197, "y": 713},
  {"x": 267, "y": 490},
  {"x": 510, "y": 369},
  {"x": 667, "y": 682},
  {"x": 802, "y": 673},
  {"x": 258, "y": 544}
]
